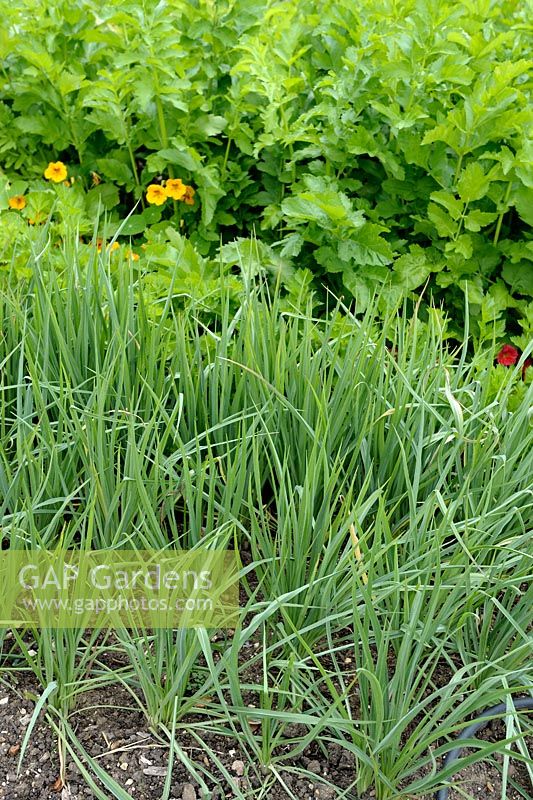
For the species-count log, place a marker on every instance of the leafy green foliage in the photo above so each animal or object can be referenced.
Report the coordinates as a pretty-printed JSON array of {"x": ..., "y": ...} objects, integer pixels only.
[
  {"x": 380, "y": 149},
  {"x": 422, "y": 124}
]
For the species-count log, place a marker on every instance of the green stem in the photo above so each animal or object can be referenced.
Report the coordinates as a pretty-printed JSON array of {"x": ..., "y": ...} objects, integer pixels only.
[
  {"x": 286, "y": 130},
  {"x": 226, "y": 157},
  {"x": 461, "y": 221},
  {"x": 134, "y": 168},
  {"x": 177, "y": 213},
  {"x": 132, "y": 160},
  {"x": 163, "y": 133},
  {"x": 7, "y": 79},
  {"x": 458, "y": 169},
  {"x": 502, "y": 214},
  {"x": 127, "y": 139}
]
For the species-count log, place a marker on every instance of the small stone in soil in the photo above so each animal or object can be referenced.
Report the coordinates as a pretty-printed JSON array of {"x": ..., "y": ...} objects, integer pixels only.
[
  {"x": 157, "y": 772},
  {"x": 189, "y": 792},
  {"x": 323, "y": 792}
]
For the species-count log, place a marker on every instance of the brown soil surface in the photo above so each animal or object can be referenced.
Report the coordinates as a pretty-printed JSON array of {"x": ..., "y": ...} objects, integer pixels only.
[{"x": 111, "y": 730}]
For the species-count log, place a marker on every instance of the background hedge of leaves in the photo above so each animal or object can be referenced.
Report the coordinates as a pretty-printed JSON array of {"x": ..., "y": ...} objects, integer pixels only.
[{"x": 370, "y": 146}]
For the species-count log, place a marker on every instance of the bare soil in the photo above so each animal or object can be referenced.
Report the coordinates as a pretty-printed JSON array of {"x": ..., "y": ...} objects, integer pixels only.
[{"x": 117, "y": 735}]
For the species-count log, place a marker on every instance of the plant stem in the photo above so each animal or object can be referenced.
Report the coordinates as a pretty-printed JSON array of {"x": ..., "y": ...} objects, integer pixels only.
[
  {"x": 163, "y": 133},
  {"x": 502, "y": 214},
  {"x": 458, "y": 169},
  {"x": 226, "y": 157}
]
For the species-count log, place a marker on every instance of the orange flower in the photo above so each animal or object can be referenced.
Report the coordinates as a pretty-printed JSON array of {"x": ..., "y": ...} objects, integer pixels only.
[
  {"x": 188, "y": 197},
  {"x": 56, "y": 171},
  {"x": 18, "y": 202},
  {"x": 132, "y": 255},
  {"x": 109, "y": 247},
  {"x": 156, "y": 195},
  {"x": 175, "y": 188}
]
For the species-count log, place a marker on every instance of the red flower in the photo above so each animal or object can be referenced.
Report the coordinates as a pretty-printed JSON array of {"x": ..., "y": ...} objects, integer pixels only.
[{"x": 507, "y": 356}]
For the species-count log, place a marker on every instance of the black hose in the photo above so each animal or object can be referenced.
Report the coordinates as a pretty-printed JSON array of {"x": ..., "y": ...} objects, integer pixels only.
[{"x": 478, "y": 725}]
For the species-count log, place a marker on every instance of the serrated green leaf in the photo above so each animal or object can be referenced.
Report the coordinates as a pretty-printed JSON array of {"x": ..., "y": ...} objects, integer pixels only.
[
  {"x": 522, "y": 199},
  {"x": 110, "y": 123},
  {"x": 473, "y": 289},
  {"x": 463, "y": 245},
  {"x": 137, "y": 223},
  {"x": 210, "y": 191},
  {"x": 186, "y": 157},
  {"x": 519, "y": 276},
  {"x": 357, "y": 287},
  {"x": 475, "y": 220},
  {"x": 69, "y": 82},
  {"x": 328, "y": 258},
  {"x": 209, "y": 125},
  {"x": 101, "y": 197},
  {"x": 457, "y": 73},
  {"x": 145, "y": 92},
  {"x": 524, "y": 164},
  {"x": 115, "y": 170},
  {"x": 32, "y": 125},
  {"x": 291, "y": 245},
  {"x": 450, "y": 203},
  {"x": 506, "y": 158},
  {"x": 190, "y": 261},
  {"x": 516, "y": 251},
  {"x": 412, "y": 269},
  {"x": 444, "y": 224},
  {"x": 473, "y": 184},
  {"x": 444, "y": 132},
  {"x": 321, "y": 209},
  {"x": 367, "y": 246},
  {"x": 495, "y": 302}
]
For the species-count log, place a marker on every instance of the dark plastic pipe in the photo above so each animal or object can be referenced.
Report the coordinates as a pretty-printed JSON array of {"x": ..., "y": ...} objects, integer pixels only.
[{"x": 478, "y": 725}]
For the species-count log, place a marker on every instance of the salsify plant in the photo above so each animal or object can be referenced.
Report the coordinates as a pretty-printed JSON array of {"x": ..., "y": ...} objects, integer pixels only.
[
  {"x": 375, "y": 483},
  {"x": 164, "y": 666}
]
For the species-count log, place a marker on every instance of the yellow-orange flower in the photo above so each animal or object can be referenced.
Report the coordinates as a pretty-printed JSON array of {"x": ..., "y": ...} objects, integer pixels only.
[
  {"x": 188, "y": 197},
  {"x": 17, "y": 202},
  {"x": 175, "y": 188},
  {"x": 109, "y": 247},
  {"x": 132, "y": 255},
  {"x": 156, "y": 195},
  {"x": 56, "y": 171}
]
